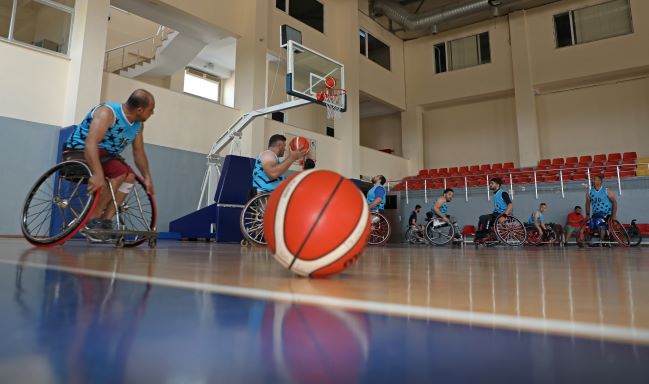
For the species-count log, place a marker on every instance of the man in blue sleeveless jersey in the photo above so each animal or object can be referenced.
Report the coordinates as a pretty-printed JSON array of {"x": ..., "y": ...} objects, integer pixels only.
[
  {"x": 268, "y": 171},
  {"x": 440, "y": 209},
  {"x": 502, "y": 204},
  {"x": 376, "y": 195},
  {"x": 536, "y": 220},
  {"x": 602, "y": 203},
  {"x": 100, "y": 138}
]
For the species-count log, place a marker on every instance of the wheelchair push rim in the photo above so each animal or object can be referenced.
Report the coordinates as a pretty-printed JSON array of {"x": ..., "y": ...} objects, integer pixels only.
[
  {"x": 57, "y": 206},
  {"x": 510, "y": 231},
  {"x": 137, "y": 212},
  {"x": 251, "y": 221},
  {"x": 441, "y": 234}
]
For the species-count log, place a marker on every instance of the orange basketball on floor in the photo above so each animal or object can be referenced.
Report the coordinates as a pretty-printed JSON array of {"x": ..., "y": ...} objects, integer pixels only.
[
  {"x": 299, "y": 143},
  {"x": 316, "y": 223}
]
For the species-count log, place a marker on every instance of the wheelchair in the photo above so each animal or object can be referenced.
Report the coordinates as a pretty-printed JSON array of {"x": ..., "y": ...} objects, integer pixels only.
[
  {"x": 507, "y": 230},
  {"x": 439, "y": 232},
  {"x": 534, "y": 237},
  {"x": 614, "y": 231},
  {"x": 414, "y": 235},
  {"x": 58, "y": 206},
  {"x": 251, "y": 221},
  {"x": 380, "y": 229}
]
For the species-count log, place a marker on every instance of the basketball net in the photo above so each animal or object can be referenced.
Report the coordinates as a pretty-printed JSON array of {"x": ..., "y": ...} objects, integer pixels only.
[{"x": 332, "y": 98}]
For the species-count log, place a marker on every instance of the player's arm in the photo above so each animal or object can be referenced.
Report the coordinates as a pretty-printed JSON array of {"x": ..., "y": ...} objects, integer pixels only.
[
  {"x": 413, "y": 220},
  {"x": 141, "y": 160},
  {"x": 102, "y": 118},
  {"x": 436, "y": 208},
  {"x": 611, "y": 197},
  {"x": 510, "y": 205},
  {"x": 274, "y": 170}
]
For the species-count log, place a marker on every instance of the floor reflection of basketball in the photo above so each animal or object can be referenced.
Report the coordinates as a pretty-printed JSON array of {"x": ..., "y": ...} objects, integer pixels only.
[
  {"x": 315, "y": 344},
  {"x": 316, "y": 223}
]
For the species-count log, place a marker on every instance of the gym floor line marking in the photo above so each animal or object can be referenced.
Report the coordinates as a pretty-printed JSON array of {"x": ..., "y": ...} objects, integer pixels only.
[{"x": 481, "y": 319}]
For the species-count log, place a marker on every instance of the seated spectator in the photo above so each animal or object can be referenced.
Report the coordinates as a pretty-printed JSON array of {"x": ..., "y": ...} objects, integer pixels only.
[{"x": 573, "y": 223}]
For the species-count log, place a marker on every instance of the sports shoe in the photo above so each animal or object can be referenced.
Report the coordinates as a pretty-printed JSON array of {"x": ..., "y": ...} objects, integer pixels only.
[{"x": 107, "y": 224}]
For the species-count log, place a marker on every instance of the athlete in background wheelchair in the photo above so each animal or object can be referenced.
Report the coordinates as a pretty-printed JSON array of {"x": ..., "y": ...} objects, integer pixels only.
[
  {"x": 603, "y": 224},
  {"x": 93, "y": 190},
  {"x": 500, "y": 226},
  {"x": 268, "y": 174}
]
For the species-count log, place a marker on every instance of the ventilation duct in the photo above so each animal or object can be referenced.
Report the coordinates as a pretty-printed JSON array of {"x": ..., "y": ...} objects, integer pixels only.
[{"x": 427, "y": 20}]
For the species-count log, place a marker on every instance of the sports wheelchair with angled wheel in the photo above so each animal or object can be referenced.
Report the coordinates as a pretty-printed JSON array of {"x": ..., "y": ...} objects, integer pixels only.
[
  {"x": 506, "y": 229},
  {"x": 534, "y": 237},
  {"x": 614, "y": 232},
  {"x": 58, "y": 206},
  {"x": 251, "y": 221},
  {"x": 379, "y": 230},
  {"x": 439, "y": 232}
]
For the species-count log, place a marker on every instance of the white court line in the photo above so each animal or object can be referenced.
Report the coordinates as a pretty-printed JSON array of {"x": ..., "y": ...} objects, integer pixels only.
[{"x": 489, "y": 320}]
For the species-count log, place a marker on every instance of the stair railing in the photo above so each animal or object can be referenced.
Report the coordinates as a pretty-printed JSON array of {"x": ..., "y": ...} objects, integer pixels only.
[{"x": 136, "y": 52}]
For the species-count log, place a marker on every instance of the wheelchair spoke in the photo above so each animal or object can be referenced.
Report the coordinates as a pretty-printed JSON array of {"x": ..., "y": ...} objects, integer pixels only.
[{"x": 42, "y": 222}]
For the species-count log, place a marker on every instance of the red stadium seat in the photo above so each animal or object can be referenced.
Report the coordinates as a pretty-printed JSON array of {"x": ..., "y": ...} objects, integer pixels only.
[
  {"x": 585, "y": 159},
  {"x": 599, "y": 158},
  {"x": 453, "y": 171},
  {"x": 614, "y": 157},
  {"x": 485, "y": 168},
  {"x": 545, "y": 162},
  {"x": 497, "y": 166},
  {"x": 627, "y": 174},
  {"x": 432, "y": 172},
  {"x": 442, "y": 171},
  {"x": 464, "y": 170},
  {"x": 474, "y": 169},
  {"x": 629, "y": 157},
  {"x": 508, "y": 166},
  {"x": 571, "y": 160},
  {"x": 558, "y": 161},
  {"x": 468, "y": 230},
  {"x": 423, "y": 172}
]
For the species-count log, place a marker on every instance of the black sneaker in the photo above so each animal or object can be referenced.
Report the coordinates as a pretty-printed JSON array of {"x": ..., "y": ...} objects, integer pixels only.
[
  {"x": 107, "y": 224},
  {"x": 94, "y": 224}
]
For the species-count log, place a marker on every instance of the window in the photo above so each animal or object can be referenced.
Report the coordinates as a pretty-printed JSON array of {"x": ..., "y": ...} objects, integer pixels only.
[
  {"x": 375, "y": 50},
  {"x": 202, "y": 84},
  {"x": 462, "y": 53},
  {"x": 41, "y": 23},
  {"x": 310, "y": 12},
  {"x": 277, "y": 116},
  {"x": 597, "y": 22},
  {"x": 330, "y": 131}
]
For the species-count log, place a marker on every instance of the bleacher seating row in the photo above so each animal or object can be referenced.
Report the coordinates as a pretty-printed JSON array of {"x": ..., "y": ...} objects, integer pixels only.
[{"x": 547, "y": 171}]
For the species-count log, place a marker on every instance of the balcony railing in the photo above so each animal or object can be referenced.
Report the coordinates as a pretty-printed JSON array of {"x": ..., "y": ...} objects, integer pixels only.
[{"x": 136, "y": 52}]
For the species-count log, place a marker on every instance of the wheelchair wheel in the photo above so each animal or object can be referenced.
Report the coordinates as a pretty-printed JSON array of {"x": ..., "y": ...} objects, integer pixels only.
[
  {"x": 58, "y": 205},
  {"x": 379, "y": 230},
  {"x": 510, "y": 230},
  {"x": 534, "y": 237},
  {"x": 439, "y": 232},
  {"x": 137, "y": 213},
  {"x": 251, "y": 221},
  {"x": 552, "y": 236},
  {"x": 618, "y": 233}
]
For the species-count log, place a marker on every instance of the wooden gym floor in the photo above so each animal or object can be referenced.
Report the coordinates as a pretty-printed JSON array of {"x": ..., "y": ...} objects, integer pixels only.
[{"x": 568, "y": 297}]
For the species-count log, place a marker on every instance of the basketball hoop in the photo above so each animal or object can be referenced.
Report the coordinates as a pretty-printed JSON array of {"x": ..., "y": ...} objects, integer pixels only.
[{"x": 332, "y": 97}]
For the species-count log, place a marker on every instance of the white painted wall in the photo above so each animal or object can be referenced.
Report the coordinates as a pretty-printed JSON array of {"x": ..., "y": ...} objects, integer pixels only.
[
  {"x": 33, "y": 84},
  {"x": 374, "y": 162}
]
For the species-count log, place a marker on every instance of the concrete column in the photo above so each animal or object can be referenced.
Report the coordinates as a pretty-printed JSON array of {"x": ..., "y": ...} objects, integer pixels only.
[
  {"x": 529, "y": 150},
  {"x": 346, "y": 41},
  {"x": 250, "y": 85},
  {"x": 412, "y": 137},
  {"x": 177, "y": 81},
  {"x": 87, "y": 49}
]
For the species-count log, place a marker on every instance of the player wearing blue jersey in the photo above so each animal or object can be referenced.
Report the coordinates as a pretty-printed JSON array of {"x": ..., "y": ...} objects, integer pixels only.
[
  {"x": 602, "y": 203},
  {"x": 376, "y": 195},
  {"x": 536, "y": 220},
  {"x": 100, "y": 138},
  {"x": 268, "y": 171},
  {"x": 502, "y": 205}
]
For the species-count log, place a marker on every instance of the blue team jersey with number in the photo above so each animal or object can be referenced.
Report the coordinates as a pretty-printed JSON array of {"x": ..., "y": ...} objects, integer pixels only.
[
  {"x": 117, "y": 137},
  {"x": 262, "y": 182},
  {"x": 599, "y": 201},
  {"x": 376, "y": 191}
]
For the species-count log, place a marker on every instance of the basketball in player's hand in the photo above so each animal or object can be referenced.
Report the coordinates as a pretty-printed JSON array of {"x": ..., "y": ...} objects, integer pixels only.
[
  {"x": 316, "y": 223},
  {"x": 299, "y": 143}
]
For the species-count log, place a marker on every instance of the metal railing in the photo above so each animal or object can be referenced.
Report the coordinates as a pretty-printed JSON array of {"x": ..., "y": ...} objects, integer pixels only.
[
  {"x": 565, "y": 176},
  {"x": 135, "y": 52}
]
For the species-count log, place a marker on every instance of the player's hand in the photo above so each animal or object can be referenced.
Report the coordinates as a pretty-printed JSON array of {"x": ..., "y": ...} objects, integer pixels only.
[
  {"x": 447, "y": 220},
  {"x": 148, "y": 184},
  {"x": 299, "y": 154},
  {"x": 96, "y": 183}
]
